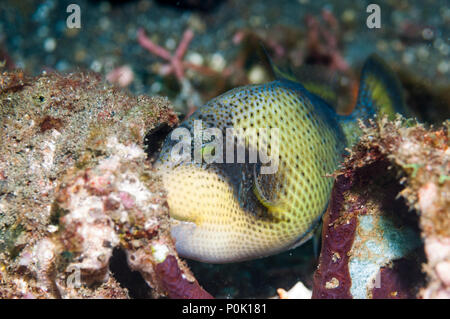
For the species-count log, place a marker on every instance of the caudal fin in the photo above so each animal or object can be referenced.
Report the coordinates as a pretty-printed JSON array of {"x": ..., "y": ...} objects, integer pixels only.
[{"x": 380, "y": 91}]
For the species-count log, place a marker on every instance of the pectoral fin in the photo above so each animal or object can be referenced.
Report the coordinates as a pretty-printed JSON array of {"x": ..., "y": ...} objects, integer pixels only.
[{"x": 268, "y": 198}]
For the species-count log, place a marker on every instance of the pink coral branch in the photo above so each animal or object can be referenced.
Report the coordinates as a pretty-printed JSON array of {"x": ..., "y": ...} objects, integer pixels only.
[
  {"x": 188, "y": 35},
  {"x": 175, "y": 62},
  {"x": 146, "y": 43}
]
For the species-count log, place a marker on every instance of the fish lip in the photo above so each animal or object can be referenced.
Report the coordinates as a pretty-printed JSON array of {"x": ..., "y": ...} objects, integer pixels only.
[
  {"x": 176, "y": 221},
  {"x": 181, "y": 232}
]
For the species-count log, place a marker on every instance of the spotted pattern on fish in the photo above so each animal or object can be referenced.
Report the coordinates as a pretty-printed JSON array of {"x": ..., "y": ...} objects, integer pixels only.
[{"x": 225, "y": 212}]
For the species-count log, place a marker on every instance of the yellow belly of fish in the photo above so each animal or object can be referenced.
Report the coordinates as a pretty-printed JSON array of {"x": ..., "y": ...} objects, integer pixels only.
[
  {"x": 209, "y": 223},
  {"x": 212, "y": 226}
]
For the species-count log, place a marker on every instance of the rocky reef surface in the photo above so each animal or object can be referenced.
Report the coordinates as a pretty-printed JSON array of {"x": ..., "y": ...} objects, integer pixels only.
[
  {"x": 386, "y": 232},
  {"x": 77, "y": 192}
]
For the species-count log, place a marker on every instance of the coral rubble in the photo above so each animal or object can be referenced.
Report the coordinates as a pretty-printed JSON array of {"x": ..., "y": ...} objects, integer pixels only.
[{"x": 75, "y": 184}]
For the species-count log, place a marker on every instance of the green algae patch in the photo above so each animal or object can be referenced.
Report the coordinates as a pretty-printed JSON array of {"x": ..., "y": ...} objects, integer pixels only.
[{"x": 8, "y": 240}]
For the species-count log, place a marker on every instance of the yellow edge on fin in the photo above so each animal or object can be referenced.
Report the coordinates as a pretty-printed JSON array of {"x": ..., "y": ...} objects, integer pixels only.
[{"x": 277, "y": 207}]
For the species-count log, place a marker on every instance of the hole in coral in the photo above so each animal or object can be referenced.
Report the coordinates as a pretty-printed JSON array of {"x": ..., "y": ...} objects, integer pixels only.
[
  {"x": 378, "y": 184},
  {"x": 386, "y": 235},
  {"x": 154, "y": 140},
  {"x": 131, "y": 280},
  {"x": 403, "y": 278}
]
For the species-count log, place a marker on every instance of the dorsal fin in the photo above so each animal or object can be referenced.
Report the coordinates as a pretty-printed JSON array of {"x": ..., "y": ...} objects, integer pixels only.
[
  {"x": 320, "y": 81},
  {"x": 315, "y": 79}
]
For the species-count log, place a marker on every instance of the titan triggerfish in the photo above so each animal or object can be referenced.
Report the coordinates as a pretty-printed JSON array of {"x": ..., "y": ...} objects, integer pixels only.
[{"x": 229, "y": 211}]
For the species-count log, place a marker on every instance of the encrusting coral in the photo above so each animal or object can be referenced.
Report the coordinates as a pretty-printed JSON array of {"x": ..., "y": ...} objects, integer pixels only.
[
  {"x": 75, "y": 184},
  {"x": 388, "y": 217}
]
